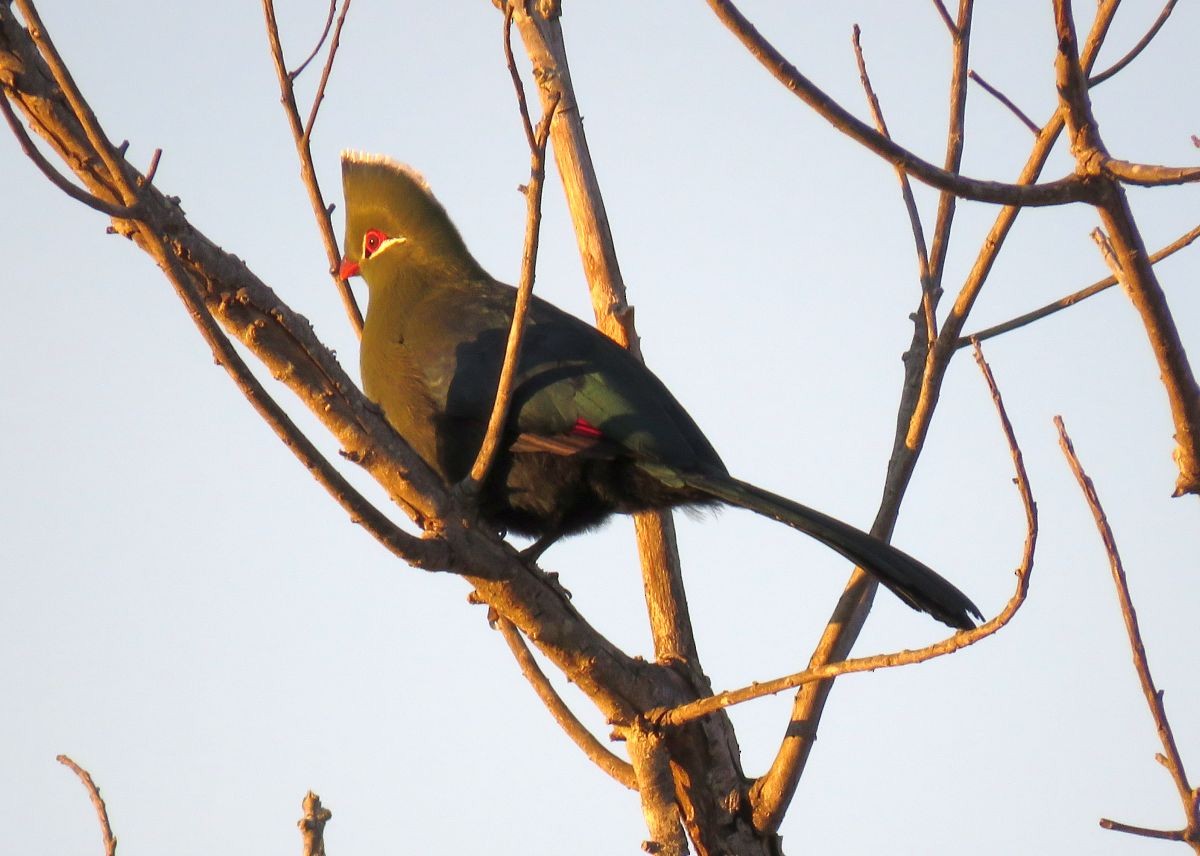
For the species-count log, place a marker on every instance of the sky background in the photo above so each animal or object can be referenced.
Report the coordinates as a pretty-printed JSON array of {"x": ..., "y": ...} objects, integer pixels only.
[{"x": 189, "y": 616}]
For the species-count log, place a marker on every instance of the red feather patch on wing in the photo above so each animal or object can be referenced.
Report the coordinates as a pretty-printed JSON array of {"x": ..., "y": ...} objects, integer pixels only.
[{"x": 583, "y": 428}]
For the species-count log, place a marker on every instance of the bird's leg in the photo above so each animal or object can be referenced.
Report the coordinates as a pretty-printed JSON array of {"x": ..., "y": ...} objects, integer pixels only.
[{"x": 534, "y": 551}]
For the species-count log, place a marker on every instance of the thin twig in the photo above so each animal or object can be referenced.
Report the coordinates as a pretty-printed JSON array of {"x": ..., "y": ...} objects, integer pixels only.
[
  {"x": 1007, "y": 102},
  {"x": 906, "y": 193},
  {"x": 1097, "y": 79},
  {"x": 120, "y": 184},
  {"x": 312, "y": 825},
  {"x": 319, "y": 95},
  {"x": 308, "y": 172},
  {"x": 518, "y": 86},
  {"x": 512, "y": 351},
  {"x": 597, "y": 752},
  {"x": 1154, "y": 698},
  {"x": 1069, "y": 189},
  {"x": 946, "y": 19},
  {"x": 1108, "y": 282},
  {"x": 1143, "y": 831},
  {"x": 56, "y": 178},
  {"x": 292, "y": 75},
  {"x": 152, "y": 169},
  {"x": 110, "y": 840},
  {"x": 702, "y": 707},
  {"x": 955, "y": 141}
]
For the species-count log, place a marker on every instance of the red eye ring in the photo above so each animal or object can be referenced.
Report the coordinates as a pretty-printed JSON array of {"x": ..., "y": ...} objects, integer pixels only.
[{"x": 372, "y": 241}]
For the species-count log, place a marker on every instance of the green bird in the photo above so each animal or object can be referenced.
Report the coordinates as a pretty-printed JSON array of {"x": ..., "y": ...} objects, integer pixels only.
[{"x": 590, "y": 432}]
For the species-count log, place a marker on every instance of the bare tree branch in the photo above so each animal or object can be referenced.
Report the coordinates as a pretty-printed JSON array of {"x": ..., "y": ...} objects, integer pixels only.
[
  {"x": 1175, "y": 246},
  {"x": 925, "y": 370},
  {"x": 662, "y": 576},
  {"x": 955, "y": 138},
  {"x": 533, "y": 201},
  {"x": 299, "y": 70},
  {"x": 1007, "y": 102},
  {"x": 56, "y": 178},
  {"x": 1137, "y": 274},
  {"x": 1170, "y": 758},
  {"x": 652, "y": 764},
  {"x": 945, "y": 16},
  {"x": 906, "y": 193},
  {"x": 326, "y": 70},
  {"x": 1143, "y": 43},
  {"x": 1069, "y": 189},
  {"x": 312, "y": 825},
  {"x": 597, "y": 752},
  {"x": 619, "y": 685},
  {"x": 1149, "y": 175},
  {"x": 110, "y": 840},
  {"x": 702, "y": 707},
  {"x": 301, "y": 138}
]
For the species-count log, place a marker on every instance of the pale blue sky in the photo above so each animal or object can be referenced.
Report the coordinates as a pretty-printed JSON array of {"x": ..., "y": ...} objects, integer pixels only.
[{"x": 189, "y": 616}]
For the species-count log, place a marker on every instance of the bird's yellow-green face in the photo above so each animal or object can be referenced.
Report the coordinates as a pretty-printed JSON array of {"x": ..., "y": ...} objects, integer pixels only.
[{"x": 390, "y": 213}]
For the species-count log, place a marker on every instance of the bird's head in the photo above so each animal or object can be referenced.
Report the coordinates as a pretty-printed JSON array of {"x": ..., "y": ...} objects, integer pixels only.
[{"x": 393, "y": 221}]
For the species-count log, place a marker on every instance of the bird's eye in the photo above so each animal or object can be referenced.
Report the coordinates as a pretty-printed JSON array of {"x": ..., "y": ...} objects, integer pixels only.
[{"x": 372, "y": 241}]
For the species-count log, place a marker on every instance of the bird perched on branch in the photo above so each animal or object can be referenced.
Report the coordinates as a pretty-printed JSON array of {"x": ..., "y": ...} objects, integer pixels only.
[{"x": 590, "y": 431}]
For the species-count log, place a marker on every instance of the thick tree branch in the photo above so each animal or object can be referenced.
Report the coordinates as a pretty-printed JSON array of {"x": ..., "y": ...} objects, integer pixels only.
[
  {"x": 597, "y": 752},
  {"x": 301, "y": 137},
  {"x": 30, "y": 149},
  {"x": 652, "y": 763},
  {"x": 110, "y": 840},
  {"x": 543, "y": 39},
  {"x": 709, "y": 782},
  {"x": 1069, "y": 189},
  {"x": 1136, "y": 273},
  {"x": 1170, "y": 758},
  {"x": 620, "y": 686}
]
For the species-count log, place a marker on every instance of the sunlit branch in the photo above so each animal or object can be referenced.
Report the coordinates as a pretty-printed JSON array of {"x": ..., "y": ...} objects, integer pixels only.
[
  {"x": 1143, "y": 43},
  {"x": 1069, "y": 189},
  {"x": 1007, "y": 102},
  {"x": 1170, "y": 756},
  {"x": 110, "y": 840},
  {"x": 1075, "y": 297},
  {"x": 596, "y": 751},
  {"x": 702, "y": 707}
]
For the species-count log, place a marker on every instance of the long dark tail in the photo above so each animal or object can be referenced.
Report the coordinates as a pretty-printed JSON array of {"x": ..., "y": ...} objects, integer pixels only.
[{"x": 914, "y": 583}]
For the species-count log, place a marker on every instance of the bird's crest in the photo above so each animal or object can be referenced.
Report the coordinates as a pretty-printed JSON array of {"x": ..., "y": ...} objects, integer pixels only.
[{"x": 385, "y": 194}]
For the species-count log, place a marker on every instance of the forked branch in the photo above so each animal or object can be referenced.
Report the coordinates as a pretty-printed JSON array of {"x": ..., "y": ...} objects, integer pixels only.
[
  {"x": 301, "y": 137},
  {"x": 1069, "y": 189}
]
